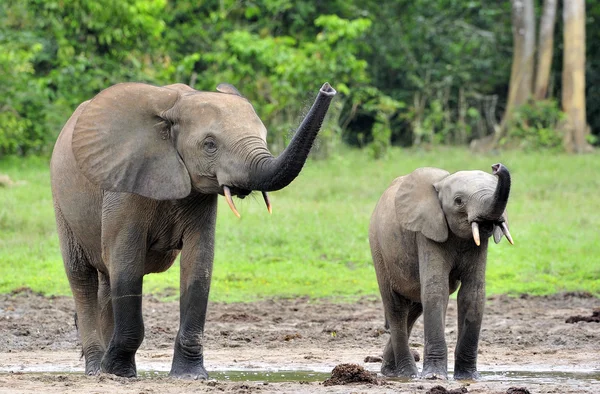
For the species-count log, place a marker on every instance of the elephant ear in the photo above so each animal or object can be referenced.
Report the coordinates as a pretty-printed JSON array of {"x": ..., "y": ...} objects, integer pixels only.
[
  {"x": 121, "y": 143},
  {"x": 418, "y": 207},
  {"x": 498, "y": 231},
  {"x": 180, "y": 87},
  {"x": 228, "y": 88}
]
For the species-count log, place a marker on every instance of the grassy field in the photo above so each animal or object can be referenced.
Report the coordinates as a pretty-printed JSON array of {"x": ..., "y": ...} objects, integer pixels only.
[{"x": 316, "y": 241}]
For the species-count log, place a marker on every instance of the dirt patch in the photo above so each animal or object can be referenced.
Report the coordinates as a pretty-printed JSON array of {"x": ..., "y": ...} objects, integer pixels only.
[
  {"x": 373, "y": 359},
  {"x": 519, "y": 334},
  {"x": 517, "y": 390},
  {"x": 351, "y": 373},
  {"x": 443, "y": 390},
  {"x": 595, "y": 318}
]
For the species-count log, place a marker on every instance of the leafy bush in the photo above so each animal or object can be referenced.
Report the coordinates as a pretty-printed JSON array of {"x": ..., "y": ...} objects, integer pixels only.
[{"x": 536, "y": 126}]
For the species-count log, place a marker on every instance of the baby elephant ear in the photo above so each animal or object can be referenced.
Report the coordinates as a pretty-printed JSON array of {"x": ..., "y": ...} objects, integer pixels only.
[
  {"x": 418, "y": 207},
  {"x": 122, "y": 143},
  {"x": 228, "y": 88}
]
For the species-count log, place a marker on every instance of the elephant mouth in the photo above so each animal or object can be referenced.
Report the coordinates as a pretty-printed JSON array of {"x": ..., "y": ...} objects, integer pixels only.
[
  {"x": 229, "y": 192},
  {"x": 485, "y": 228}
]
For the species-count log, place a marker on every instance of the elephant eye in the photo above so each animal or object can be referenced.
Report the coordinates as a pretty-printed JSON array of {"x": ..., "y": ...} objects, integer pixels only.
[
  {"x": 458, "y": 201},
  {"x": 210, "y": 146}
]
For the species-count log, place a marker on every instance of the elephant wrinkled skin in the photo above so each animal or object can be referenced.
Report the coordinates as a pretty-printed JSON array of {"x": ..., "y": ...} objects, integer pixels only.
[
  {"x": 428, "y": 235},
  {"x": 135, "y": 176}
]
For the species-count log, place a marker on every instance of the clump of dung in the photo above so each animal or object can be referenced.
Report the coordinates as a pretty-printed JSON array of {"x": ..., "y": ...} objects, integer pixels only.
[
  {"x": 351, "y": 373},
  {"x": 517, "y": 390},
  {"x": 443, "y": 390},
  {"x": 595, "y": 318}
]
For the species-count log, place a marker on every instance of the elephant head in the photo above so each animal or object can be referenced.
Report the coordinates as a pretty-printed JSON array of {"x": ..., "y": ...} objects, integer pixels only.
[
  {"x": 470, "y": 203},
  {"x": 164, "y": 142}
]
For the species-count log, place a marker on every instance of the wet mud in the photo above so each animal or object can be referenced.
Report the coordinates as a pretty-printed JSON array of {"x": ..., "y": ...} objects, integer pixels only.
[
  {"x": 594, "y": 318},
  {"x": 443, "y": 390},
  {"x": 293, "y": 345},
  {"x": 517, "y": 390}
]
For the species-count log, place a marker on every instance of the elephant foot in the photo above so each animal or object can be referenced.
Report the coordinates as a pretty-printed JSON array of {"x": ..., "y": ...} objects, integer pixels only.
[
  {"x": 435, "y": 369},
  {"x": 188, "y": 371},
  {"x": 92, "y": 368},
  {"x": 92, "y": 363},
  {"x": 199, "y": 374},
  {"x": 434, "y": 376},
  {"x": 466, "y": 375},
  {"x": 433, "y": 373},
  {"x": 189, "y": 368},
  {"x": 393, "y": 371},
  {"x": 119, "y": 365}
]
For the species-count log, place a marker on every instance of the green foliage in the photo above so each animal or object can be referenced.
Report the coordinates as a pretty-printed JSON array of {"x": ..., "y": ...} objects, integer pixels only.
[
  {"x": 315, "y": 243},
  {"x": 278, "y": 73},
  {"x": 384, "y": 107},
  {"x": 18, "y": 132},
  {"x": 444, "y": 62},
  {"x": 57, "y": 54},
  {"x": 422, "y": 52},
  {"x": 536, "y": 126}
]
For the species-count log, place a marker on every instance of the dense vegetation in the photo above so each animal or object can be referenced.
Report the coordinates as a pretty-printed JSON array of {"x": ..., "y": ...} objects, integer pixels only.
[
  {"x": 315, "y": 243},
  {"x": 408, "y": 71}
]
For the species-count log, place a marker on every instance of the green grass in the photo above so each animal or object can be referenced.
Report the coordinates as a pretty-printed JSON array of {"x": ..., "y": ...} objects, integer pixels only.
[{"x": 316, "y": 242}]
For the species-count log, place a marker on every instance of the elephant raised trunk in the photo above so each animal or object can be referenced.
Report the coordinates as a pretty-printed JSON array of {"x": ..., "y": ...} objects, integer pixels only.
[
  {"x": 500, "y": 198},
  {"x": 499, "y": 201},
  {"x": 276, "y": 173}
]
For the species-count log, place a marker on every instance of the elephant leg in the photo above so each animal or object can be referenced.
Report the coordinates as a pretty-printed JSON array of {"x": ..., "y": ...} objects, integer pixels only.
[
  {"x": 471, "y": 302},
  {"x": 434, "y": 274},
  {"x": 397, "y": 357},
  {"x": 128, "y": 331},
  {"x": 415, "y": 310},
  {"x": 83, "y": 279},
  {"x": 196, "y": 270},
  {"x": 124, "y": 237},
  {"x": 106, "y": 318}
]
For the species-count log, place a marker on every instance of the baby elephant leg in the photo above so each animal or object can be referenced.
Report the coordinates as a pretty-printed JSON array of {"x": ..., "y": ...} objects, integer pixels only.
[{"x": 397, "y": 357}]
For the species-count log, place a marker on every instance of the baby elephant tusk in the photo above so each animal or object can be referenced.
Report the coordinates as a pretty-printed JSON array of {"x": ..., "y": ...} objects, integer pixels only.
[
  {"x": 504, "y": 228},
  {"x": 227, "y": 193},
  {"x": 475, "y": 228},
  {"x": 267, "y": 201}
]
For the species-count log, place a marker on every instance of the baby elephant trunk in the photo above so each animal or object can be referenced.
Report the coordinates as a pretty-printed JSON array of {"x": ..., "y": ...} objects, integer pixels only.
[
  {"x": 499, "y": 201},
  {"x": 500, "y": 198}
]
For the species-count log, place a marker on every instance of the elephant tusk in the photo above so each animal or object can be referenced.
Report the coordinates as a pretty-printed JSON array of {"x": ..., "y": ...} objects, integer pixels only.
[
  {"x": 227, "y": 193},
  {"x": 504, "y": 228},
  {"x": 267, "y": 201},
  {"x": 475, "y": 229}
]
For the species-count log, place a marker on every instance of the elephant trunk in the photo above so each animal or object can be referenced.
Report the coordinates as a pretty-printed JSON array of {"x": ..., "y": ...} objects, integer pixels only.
[
  {"x": 276, "y": 173},
  {"x": 500, "y": 197}
]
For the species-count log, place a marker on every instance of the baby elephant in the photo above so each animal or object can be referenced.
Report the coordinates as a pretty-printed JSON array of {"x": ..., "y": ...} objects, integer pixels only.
[{"x": 429, "y": 233}]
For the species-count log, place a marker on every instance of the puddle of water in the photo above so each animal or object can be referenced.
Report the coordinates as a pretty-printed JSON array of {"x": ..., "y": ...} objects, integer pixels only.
[
  {"x": 521, "y": 377},
  {"x": 541, "y": 377},
  {"x": 259, "y": 376}
]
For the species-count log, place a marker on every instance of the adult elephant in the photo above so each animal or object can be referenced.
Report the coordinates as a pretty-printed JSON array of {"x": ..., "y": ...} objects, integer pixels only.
[
  {"x": 428, "y": 234},
  {"x": 135, "y": 176}
]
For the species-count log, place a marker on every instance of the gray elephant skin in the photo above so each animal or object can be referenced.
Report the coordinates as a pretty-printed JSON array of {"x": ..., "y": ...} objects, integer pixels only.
[
  {"x": 429, "y": 234},
  {"x": 136, "y": 172}
]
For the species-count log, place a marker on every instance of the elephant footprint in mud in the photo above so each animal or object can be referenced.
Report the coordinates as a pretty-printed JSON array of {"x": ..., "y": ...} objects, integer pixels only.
[
  {"x": 428, "y": 235},
  {"x": 136, "y": 172}
]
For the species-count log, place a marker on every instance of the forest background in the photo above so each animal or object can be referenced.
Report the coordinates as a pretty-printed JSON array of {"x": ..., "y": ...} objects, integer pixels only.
[{"x": 408, "y": 73}]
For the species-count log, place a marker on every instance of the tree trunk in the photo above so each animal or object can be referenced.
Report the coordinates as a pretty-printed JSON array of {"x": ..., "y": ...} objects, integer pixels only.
[
  {"x": 546, "y": 42},
  {"x": 573, "y": 75},
  {"x": 521, "y": 74}
]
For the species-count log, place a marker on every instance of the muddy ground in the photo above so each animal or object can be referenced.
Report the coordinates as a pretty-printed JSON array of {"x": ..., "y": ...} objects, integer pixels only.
[{"x": 40, "y": 352}]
